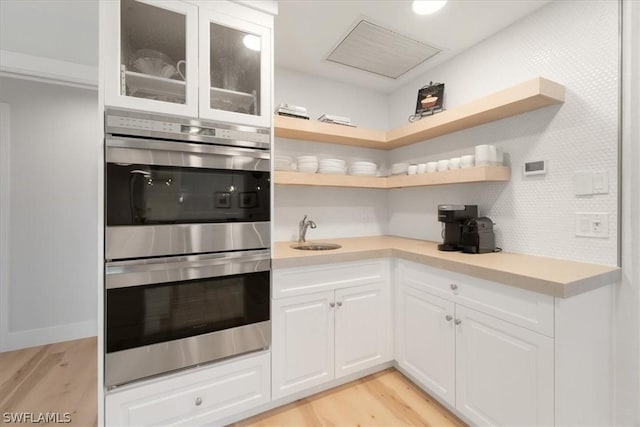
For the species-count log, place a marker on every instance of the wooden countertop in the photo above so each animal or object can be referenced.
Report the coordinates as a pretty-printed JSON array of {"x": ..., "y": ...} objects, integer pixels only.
[{"x": 555, "y": 277}]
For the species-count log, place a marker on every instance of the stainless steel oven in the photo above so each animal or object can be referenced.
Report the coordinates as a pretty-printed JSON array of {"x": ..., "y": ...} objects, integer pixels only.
[
  {"x": 187, "y": 243},
  {"x": 164, "y": 314}
]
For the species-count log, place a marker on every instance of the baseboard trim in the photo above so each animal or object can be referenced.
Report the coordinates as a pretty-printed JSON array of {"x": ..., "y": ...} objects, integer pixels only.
[{"x": 49, "y": 335}]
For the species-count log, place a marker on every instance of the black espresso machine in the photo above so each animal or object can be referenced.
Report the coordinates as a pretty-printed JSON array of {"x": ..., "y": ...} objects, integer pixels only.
[{"x": 464, "y": 230}]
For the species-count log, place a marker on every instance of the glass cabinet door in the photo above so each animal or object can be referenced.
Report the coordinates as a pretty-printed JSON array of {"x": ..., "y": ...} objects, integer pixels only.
[
  {"x": 235, "y": 70},
  {"x": 156, "y": 56}
]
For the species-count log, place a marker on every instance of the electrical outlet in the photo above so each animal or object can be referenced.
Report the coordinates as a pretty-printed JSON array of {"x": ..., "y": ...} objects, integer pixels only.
[
  {"x": 600, "y": 182},
  {"x": 592, "y": 224}
]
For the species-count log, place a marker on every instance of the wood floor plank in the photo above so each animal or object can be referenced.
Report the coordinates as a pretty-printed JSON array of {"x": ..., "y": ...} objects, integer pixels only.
[
  {"x": 58, "y": 378},
  {"x": 386, "y": 398}
]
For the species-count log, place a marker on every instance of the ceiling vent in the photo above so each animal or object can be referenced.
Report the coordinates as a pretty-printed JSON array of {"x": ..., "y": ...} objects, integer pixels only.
[{"x": 370, "y": 47}]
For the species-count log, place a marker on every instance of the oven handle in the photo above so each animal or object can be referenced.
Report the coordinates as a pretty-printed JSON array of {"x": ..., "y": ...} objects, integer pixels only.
[
  {"x": 122, "y": 274},
  {"x": 170, "y": 153}
]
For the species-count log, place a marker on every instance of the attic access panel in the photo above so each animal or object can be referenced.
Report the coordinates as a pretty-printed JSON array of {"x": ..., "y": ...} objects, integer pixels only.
[{"x": 375, "y": 49}]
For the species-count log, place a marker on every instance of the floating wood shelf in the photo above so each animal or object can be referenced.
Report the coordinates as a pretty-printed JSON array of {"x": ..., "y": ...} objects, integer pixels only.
[
  {"x": 313, "y": 130},
  {"x": 325, "y": 180},
  {"x": 528, "y": 96},
  {"x": 459, "y": 176}
]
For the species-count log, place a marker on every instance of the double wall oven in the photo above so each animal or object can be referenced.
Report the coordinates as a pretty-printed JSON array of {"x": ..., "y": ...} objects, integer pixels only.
[{"x": 187, "y": 243}]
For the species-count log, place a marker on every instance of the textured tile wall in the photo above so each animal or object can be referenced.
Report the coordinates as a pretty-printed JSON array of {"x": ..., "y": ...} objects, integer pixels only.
[{"x": 575, "y": 46}]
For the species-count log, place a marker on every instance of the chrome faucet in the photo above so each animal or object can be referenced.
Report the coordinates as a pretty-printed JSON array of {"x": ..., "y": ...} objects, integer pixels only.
[{"x": 303, "y": 226}]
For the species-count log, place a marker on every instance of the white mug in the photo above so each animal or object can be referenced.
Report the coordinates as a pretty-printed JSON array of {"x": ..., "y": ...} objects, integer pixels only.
[
  {"x": 412, "y": 170},
  {"x": 443, "y": 165},
  {"x": 483, "y": 155},
  {"x": 432, "y": 167},
  {"x": 467, "y": 161},
  {"x": 422, "y": 168},
  {"x": 454, "y": 163},
  {"x": 183, "y": 75}
]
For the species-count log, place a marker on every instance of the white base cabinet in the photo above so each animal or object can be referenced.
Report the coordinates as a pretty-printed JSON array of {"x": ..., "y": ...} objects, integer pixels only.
[
  {"x": 500, "y": 355},
  {"x": 198, "y": 397},
  {"x": 320, "y": 336}
]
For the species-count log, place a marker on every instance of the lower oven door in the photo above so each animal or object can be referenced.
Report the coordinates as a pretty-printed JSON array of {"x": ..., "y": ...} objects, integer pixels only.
[{"x": 165, "y": 314}]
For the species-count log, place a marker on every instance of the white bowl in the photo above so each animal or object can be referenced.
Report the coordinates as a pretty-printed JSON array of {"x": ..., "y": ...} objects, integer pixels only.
[
  {"x": 333, "y": 162},
  {"x": 307, "y": 169},
  {"x": 364, "y": 164},
  {"x": 432, "y": 167},
  {"x": 443, "y": 165},
  {"x": 467, "y": 161},
  {"x": 307, "y": 158}
]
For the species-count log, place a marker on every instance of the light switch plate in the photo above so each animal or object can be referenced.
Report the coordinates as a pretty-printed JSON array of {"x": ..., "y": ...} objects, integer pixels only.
[
  {"x": 583, "y": 183},
  {"x": 600, "y": 182},
  {"x": 592, "y": 224}
]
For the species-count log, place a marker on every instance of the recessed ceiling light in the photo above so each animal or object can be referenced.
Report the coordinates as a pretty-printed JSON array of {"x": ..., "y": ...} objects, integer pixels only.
[
  {"x": 427, "y": 7},
  {"x": 252, "y": 42}
]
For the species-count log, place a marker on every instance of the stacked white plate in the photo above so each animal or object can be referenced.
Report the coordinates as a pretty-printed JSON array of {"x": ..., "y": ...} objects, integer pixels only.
[
  {"x": 283, "y": 163},
  {"x": 308, "y": 164},
  {"x": 399, "y": 168},
  {"x": 363, "y": 169},
  {"x": 333, "y": 166}
]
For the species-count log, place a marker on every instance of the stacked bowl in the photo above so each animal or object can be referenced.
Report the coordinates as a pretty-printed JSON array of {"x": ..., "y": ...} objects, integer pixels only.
[
  {"x": 308, "y": 164},
  {"x": 399, "y": 168},
  {"x": 283, "y": 163},
  {"x": 333, "y": 166},
  {"x": 363, "y": 169}
]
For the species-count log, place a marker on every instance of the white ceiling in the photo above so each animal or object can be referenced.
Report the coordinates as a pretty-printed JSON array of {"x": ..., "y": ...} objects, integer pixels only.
[{"x": 306, "y": 31}]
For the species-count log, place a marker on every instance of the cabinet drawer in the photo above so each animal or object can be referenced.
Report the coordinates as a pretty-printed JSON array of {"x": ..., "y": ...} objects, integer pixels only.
[
  {"x": 196, "y": 398},
  {"x": 325, "y": 277},
  {"x": 521, "y": 307}
]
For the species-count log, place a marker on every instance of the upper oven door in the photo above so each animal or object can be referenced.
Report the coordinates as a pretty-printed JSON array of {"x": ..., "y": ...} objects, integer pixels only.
[{"x": 166, "y": 197}]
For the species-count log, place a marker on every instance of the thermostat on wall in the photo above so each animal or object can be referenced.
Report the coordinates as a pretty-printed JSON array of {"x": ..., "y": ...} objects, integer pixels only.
[{"x": 535, "y": 168}]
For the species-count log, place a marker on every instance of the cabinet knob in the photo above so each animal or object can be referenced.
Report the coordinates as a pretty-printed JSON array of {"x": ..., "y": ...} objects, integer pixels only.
[
  {"x": 339, "y": 303},
  {"x": 448, "y": 317},
  {"x": 453, "y": 286},
  {"x": 332, "y": 304},
  {"x": 198, "y": 401},
  {"x": 457, "y": 321}
]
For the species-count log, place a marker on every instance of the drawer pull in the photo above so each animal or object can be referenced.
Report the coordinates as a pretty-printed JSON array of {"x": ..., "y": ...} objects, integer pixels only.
[
  {"x": 453, "y": 286},
  {"x": 198, "y": 401},
  {"x": 448, "y": 318},
  {"x": 458, "y": 321},
  {"x": 332, "y": 304},
  {"x": 339, "y": 303}
]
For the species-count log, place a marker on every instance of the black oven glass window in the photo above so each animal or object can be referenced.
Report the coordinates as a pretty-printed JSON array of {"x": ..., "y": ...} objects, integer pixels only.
[
  {"x": 143, "y": 194},
  {"x": 143, "y": 315}
]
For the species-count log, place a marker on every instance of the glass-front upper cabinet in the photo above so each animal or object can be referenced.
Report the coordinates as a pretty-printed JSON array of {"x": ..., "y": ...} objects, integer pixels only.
[
  {"x": 152, "y": 64},
  {"x": 235, "y": 69}
]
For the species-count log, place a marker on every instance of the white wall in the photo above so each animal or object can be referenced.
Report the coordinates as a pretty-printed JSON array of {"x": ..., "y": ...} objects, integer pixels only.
[
  {"x": 339, "y": 212},
  {"x": 53, "y": 214},
  {"x": 575, "y": 46},
  {"x": 627, "y": 319},
  {"x": 64, "y": 30}
]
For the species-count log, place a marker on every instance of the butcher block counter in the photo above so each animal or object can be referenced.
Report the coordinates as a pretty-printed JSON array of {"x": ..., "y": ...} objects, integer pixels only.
[{"x": 550, "y": 276}]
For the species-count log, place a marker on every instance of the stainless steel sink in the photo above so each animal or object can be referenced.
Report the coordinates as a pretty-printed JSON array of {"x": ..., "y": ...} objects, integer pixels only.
[{"x": 316, "y": 246}]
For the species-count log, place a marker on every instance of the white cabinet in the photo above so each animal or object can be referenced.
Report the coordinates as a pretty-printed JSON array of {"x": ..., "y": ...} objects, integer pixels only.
[
  {"x": 188, "y": 58},
  {"x": 302, "y": 342},
  {"x": 493, "y": 371},
  {"x": 504, "y": 373},
  {"x": 425, "y": 337},
  {"x": 200, "y": 396},
  {"x": 320, "y": 336}
]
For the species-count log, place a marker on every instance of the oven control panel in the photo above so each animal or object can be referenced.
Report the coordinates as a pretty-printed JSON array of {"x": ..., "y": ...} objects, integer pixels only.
[{"x": 121, "y": 122}]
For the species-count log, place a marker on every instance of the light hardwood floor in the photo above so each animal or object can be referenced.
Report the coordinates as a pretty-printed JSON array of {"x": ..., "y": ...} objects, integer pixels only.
[
  {"x": 59, "y": 377},
  {"x": 386, "y": 398},
  {"x": 62, "y": 378}
]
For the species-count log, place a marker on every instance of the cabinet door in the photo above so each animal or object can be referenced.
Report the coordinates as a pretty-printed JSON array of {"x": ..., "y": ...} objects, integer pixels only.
[
  {"x": 504, "y": 373},
  {"x": 362, "y": 328},
  {"x": 235, "y": 69},
  {"x": 302, "y": 348},
  {"x": 150, "y": 56},
  {"x": 426, "y": 340}
]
